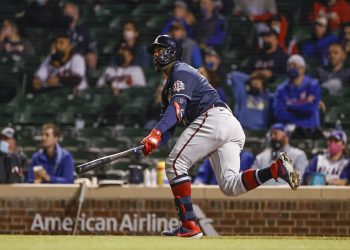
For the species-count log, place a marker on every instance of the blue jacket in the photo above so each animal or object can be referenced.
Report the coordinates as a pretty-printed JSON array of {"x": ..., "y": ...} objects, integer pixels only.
[
  {"x": 60, "y": 168},
  {"x": 318, "y": 48},
  {"x": 291, "y": 106},
  {"x": 253, "y": 112},
  {"x": 206, "y": 175}
]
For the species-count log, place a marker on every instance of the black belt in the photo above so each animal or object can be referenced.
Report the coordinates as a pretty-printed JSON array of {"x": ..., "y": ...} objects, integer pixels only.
[{"x": 219, "y": 104}]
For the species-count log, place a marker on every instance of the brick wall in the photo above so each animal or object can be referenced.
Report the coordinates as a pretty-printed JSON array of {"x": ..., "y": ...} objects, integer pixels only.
[{"x": 239, "y": 216}]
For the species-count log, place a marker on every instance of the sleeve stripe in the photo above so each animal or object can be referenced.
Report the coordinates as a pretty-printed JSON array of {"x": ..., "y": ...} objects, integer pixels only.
[{"x": 189, "y": 98}]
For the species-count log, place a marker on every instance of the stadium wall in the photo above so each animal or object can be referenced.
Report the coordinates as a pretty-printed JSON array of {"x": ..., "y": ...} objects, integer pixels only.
[{"x": 137, "y": 210}]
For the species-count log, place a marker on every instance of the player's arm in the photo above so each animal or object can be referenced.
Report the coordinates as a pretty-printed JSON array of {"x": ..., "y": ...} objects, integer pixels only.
[
  {"x": 166, "y": 135},
  {"x": 173, "y": 115},
  {"x": 182, "y": 89}
]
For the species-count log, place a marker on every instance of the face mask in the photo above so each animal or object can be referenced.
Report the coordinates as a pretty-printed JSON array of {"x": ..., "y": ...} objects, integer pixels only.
[
  {"x": 57, "y": 56},
  {"x": 120, "y": 60},
  {"x": 266, "y": 46},
  {"x": 68, "y": 20},
  {"x": 293, "y": 73},
  {"x": 129, "y": 34},
  {"x": 275, "y": 144},
  {"x": 334, "y": 148},
  {"x": 209, "y": 65},
  {"x": 4, "y": 147}
]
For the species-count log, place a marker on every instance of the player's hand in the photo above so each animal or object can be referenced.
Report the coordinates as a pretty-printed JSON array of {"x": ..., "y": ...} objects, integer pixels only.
[{"x": 151, "y": 141}]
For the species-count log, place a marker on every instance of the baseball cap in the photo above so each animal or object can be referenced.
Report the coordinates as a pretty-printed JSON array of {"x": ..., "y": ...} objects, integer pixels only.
[
  {"x": 9, "y": 133},
  {"x": 339, "y": 135},
  {"x": 210, "y": 51},
  {"x": 279, "y": 126},
  {"x": 297, "y": 59},
  {"x": 322, "y": 20},
  {"x": 268, "y": 31},
  {"x": 176, "y": 25}
]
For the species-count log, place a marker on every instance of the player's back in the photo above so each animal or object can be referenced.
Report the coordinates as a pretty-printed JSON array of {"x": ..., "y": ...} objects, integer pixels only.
[{"x": 187, "y": 81}]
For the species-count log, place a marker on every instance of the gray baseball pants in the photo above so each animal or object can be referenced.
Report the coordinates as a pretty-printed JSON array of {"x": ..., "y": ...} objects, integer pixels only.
[{"x": 217, "y": 134}]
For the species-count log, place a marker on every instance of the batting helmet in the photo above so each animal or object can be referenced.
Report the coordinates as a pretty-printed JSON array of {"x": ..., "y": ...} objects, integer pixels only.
[{"x": 172, "y": 51}]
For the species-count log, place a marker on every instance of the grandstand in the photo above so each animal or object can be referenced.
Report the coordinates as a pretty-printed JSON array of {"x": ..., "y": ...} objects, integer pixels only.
[{"x": 27, "y": 111}]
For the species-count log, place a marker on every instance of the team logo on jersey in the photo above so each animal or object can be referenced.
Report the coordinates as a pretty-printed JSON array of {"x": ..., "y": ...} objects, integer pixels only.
[{"x": 178, "y": 86}]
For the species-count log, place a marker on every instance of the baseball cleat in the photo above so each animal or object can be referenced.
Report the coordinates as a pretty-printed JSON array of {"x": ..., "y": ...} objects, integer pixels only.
[
  {"x": 188, "y": 229},
  {"x": 286, "y": 171}
]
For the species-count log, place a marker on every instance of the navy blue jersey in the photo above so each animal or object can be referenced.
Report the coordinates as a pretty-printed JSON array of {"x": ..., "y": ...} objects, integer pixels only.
[{"x": 187, "y": 82}]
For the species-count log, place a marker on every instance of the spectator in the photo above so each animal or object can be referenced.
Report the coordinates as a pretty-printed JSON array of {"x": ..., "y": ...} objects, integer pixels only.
[
  {"x": 345, "y": 37},
  {"x": 19, "y": 159},
  {"x": 212, "y": 62},
  {"x": 123, "y": 75},
  {"x": 336, "y": 11},
  {"x": 191, "y": 52},
  {"x": 12, "y": 46},
  {"x": 181, "y": 15},
  {"x": 317, "y": 47},
  {"x": 279, "y": 142},
  {"x": 334, "y": 76},
  {"x": 43, "y": 14},
  {"x": 279, "y": 24},
  {"x": 211, "y": 70},
  {"x": 10, "y": 171},
  {"x": 259, "y": 12},
  {"x": 256, "y": 10},
  {"x": 80, "y": 36},
  {"x": 209, "y": 30},
  {"x": 297, "y": 100},
  {"x": 205, "y": 174},
  {"x": 62, "y": 68},
  {"x": 253, "y": 103},
  {"x": 271, "y": 60},
  {"x": 332, "y": 168},
  {"x": 131, "y": 39},
  {"x": 51, "y": 164}
]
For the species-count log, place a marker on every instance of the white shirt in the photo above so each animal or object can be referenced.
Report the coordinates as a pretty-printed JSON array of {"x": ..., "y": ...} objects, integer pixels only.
[
  {"x": 75, "y": 66},
  {"x": 255, "y": 7},
  {"x": 122, "y": 78},
  {"x": 331, "y": 169}
]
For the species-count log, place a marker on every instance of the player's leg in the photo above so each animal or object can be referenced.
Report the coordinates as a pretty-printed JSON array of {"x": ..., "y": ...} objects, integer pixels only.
[
  {"x": 226, "y": 163},
  {"x": 193, "y": 144}
]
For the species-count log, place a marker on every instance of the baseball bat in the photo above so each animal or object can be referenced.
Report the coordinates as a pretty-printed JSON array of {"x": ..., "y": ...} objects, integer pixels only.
[{"x": 100, "y": 162}]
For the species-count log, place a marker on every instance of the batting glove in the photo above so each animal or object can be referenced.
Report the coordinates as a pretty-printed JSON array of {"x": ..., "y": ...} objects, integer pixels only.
[{"x": 151, "y": 141}]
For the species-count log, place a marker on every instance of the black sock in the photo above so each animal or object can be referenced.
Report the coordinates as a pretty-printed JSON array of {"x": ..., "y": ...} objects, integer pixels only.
[{"x": 264, "y": 175}]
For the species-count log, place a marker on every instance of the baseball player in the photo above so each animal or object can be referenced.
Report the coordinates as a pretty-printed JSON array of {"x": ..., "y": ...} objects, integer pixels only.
[{"x": 212, "y": 130}]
